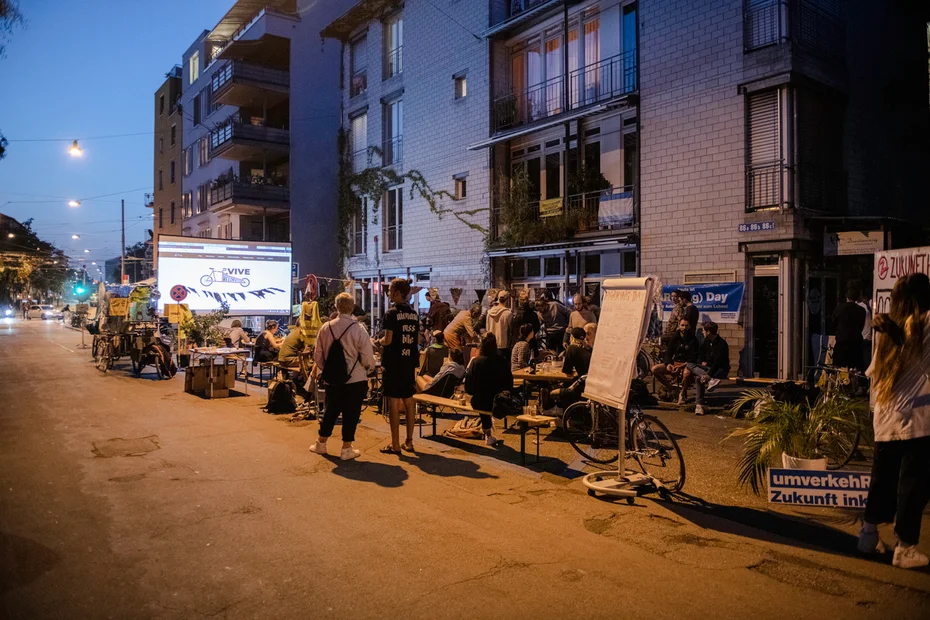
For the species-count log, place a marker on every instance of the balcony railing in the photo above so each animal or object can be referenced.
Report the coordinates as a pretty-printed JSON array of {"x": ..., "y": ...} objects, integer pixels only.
[
  {"x": 764, "y": 23},
  {"x": 392, "y": 151},
  {"x": 818, "y": 30},
  {"x": 595, "y": 83},
  {"x": 238, "y": 70},
  {"x": 765, "y": 183},
  {"x": 247, "y": 192},
  {"x": 394, "y": 62},
  {"x": 595, "y": 210},
  {"x": 358, "y": 83},
  {"x": 254, "y": 130},
  {"x": 522, "y": 6},
  {"x": 770, "y": 22}
]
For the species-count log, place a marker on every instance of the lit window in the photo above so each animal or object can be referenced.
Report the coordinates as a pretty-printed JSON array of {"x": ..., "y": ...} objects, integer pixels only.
[
  {"x": 461, "y": 187},
  {"x": 461, "y": 88},
  {"x": 393, "y": 47},
  {"x": 393, "y": 219},
  {"x": 194, "y": 68}
]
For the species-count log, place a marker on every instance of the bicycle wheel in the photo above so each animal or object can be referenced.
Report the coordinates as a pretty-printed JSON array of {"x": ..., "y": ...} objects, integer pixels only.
[
  {"x": 643, "y": 366},
  {"x": 657, "y": 453},
  {"x": 593, "y": 431},
  {"x": 104, "y": 360},
  {"x": 839, "y": 440}
]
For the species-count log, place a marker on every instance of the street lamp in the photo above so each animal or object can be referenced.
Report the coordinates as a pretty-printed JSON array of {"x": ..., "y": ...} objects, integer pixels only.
[
  {"x": 87, "y": 251},
  {"x": 75, "y": 236},
  {"x": 10, "y": 235},
  {"x": 74, "y": 203},
  {"x": 75, "y": 150}
]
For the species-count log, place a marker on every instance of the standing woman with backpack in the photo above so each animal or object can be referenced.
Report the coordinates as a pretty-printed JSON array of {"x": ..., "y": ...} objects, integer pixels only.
[{"x": 343, "y": 357}]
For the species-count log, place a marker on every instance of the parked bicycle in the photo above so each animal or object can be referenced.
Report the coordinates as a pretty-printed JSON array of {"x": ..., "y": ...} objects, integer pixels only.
[
  {"x": 844, "y": 434},
  {"x": 593, "y": 430}
]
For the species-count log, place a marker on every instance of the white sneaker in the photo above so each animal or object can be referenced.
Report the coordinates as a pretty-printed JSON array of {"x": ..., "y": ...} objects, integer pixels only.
[
  {"x": 869, "y": 541},
  {"x": 699, "y": 410},
  {"x": 349, "y": 453},
  {"x": 909, "y": 557},
  {"x": 712, "y": 384},
  {"x": 490, "y": 440},
  {"x": 319, "y": 448}
]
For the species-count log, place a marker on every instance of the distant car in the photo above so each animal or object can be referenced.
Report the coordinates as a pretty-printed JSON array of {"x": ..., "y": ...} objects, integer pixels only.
[{"x": 43, "y": 312}]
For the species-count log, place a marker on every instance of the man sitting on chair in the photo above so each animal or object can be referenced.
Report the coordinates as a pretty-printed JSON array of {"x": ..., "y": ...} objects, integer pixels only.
[
  {"x": 682, "y": 349},
  {"x": 713, "y": 365},
  {"x": 446, "y": 380}
]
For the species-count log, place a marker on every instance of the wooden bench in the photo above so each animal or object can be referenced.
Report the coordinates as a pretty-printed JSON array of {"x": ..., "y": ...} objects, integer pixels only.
[
  {"x": 525, "y": 423},
  {"x": 431, "y": 404}
]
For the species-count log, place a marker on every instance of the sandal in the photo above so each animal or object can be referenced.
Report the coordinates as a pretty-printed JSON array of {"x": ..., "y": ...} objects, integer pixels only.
[
  {"x": 389, "y": 450},
  {"x": 408, "y": 447}
]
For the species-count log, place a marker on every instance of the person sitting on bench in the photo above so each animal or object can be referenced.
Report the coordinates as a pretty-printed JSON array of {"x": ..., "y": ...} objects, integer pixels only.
[
  {"x": 446, "y": 380},
  {"x": 682, "y": 348},
  {"x": 293, "y": 345},
  {"x": 577, "y": 360},
  {"x": 435, "y": 355},
  {"x": 712, "y": 366}
]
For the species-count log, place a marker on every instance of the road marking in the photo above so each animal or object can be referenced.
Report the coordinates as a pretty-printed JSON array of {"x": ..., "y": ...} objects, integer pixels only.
[{"x": 60, "y": 345}]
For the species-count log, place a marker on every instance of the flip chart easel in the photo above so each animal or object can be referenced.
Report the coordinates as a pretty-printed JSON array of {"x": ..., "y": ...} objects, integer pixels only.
[{"x": 625, "y": 312}]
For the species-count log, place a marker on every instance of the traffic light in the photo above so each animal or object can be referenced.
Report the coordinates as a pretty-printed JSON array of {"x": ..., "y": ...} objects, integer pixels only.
[{"x": 80, "y": 292}]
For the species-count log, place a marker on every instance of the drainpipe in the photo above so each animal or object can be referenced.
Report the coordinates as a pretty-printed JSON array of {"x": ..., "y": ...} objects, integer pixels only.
[{"x": 566, "y": 99}]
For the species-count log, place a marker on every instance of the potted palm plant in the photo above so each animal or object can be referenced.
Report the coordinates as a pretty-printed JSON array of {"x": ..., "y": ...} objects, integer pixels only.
[{"x": 802, "y": 435}]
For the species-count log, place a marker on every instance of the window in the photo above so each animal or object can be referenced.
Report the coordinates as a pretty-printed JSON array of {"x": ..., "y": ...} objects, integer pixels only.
[
  {"x": 188, "y": 157},
  {"x": 764, "y": 167},
  {"x": 359, "y": 141},
  {"x": 161, "y": 105},
  {"x": 461, "y": 186},
  {"x": 553, "y": 175},
  {"x": 630, "y": 53},
  {"x": 592, "y": 264},
  {"x": 161, "y": 144},
  {"x": 171, "y": 213},
  {"x": 193, "y": 68},
  {"x": 174, "y": 134},
  {"x": 461, "y": 87},
  {"x": 186, "y": 200},
  {"x": 161, "y": 218},
  {"x": 393, "y": 219},
  {"x": 197, "y": 108},
  {"x": 629, "y": 262},
  {"x": 553, "y": 265},
  {"x": 161, "y": 181},
  {"x": 517, "y": 269},
  {"x": 393, "y": 122},
  {"x": 630, "y": 157},
  {"x": 762, "y": 23},
  {"x": 171, "y": 171},
  {"x": 358, "y": 243},
  {"x": 203, "y": 198},
  {"x": 533, "y": 268},
  {"x": 393, "y": 46},
  {"x": 204, "y": 147},
  {"x": 358, "y": 62}
]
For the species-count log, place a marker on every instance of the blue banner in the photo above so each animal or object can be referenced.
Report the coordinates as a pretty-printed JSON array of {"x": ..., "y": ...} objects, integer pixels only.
[{"x": 719, "y": 303}]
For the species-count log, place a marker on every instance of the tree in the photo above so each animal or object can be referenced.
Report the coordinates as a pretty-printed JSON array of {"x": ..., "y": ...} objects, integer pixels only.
[{"x": 10, "y": 17}]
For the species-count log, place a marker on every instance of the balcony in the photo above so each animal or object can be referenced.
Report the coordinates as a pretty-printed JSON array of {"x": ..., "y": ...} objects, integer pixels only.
[
  {"x": 771, "y": 22},
  {"x": 765, "y": 183},
  {"x": 394, "y": 62},
  {"x": 392, "y": 151},
  {"x": 241, "y": 141},
  {"x": 600, "y": 82},
  {"x": 248, "y": 196},
  {"x": 508, "y": 16},
  {"x": 243, "y": 84}
]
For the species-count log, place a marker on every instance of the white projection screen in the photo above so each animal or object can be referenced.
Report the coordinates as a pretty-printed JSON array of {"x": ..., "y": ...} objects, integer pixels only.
[{"x": 253, "y": 277}]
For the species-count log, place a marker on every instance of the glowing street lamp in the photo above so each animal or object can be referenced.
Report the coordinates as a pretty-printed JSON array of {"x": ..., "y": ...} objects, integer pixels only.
[
  {"x": 87, "y": 251},
  {"x": 75, "y": 236},
  {"x": 74, "y": 203},
  {"x": 10, "y": 235},
  {"x": 75, "y": 150}
]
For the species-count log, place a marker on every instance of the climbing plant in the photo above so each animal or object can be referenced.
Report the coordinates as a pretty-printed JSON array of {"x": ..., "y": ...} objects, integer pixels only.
[
  {"x": 519, "y": 222},
  {"x": 371, "y": 184}
]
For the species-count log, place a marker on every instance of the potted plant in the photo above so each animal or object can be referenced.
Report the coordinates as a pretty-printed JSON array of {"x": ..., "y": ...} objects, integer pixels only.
[{"x": 803, "y": 435}]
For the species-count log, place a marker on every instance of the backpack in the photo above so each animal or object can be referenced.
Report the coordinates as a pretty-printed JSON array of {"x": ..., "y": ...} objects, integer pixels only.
[
  {"x": 337, "y": 372},
  {"x": 281, "y": 396},
  {"x": 506, "y": 405}
]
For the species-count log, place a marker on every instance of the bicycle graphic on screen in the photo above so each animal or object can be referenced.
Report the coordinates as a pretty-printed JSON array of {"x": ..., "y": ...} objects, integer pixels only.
[{"x": 218, "y": 275}]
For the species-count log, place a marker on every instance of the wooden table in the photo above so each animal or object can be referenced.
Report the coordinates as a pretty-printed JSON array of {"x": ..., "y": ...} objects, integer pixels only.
[
  {"x": 525, "y": 375},
  {"x": 526, "y": 422}
]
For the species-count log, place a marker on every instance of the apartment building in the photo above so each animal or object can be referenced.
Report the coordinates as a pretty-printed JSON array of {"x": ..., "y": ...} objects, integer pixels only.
[
  {"x": 564, "y": 144},
  {"x": 166, "y": 201},
  {"x": 415, "y": 94},
  {"x": 235, "y": 98}
]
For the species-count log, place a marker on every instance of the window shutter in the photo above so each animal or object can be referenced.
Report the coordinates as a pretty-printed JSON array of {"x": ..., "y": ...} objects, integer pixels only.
[{"x": 763, "y": 128}]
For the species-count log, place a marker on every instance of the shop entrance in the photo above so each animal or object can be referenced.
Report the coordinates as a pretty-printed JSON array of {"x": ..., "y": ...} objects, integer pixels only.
[
  {"x": 821, "y": 298},
  {"x": 765, "y": 316}
]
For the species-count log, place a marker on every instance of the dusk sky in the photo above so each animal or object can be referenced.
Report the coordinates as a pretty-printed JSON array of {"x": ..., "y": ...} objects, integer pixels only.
[{"x": 82, "y": 70}]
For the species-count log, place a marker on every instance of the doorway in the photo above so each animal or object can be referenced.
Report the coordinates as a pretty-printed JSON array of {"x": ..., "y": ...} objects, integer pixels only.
[
  {"x": 822, "y": 297},
  {"x": 765, "y": 316}
]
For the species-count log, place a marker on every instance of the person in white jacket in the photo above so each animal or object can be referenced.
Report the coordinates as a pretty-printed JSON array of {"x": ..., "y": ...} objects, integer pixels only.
[
  {"x": 900, "y": 373},
  {"x": 499, "y": 318}
]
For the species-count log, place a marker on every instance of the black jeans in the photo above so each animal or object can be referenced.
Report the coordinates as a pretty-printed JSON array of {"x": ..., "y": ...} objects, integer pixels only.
[
  {"x": 345, "y": 399},
  {"x": 900, "y": 486},
  {"x": 486, "y": 422}
]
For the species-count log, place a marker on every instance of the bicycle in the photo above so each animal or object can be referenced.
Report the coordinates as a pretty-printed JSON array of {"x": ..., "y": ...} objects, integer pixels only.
[
  {"x": 841, "y": 439},
  {"x": 593, "y": 430},
  {"x": 649, "y": 354},
  {"x": 104, "y": 353},
  {"x": 211, "y": 277}
]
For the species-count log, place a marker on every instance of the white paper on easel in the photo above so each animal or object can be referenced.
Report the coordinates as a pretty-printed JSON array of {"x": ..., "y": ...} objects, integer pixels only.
[{"x": 625, "y": 311}]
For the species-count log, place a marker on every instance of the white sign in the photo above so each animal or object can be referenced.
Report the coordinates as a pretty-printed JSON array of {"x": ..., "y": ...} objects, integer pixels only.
[
  {"x": 252, "y": 277},
  {"x": 854, "y": 242},
  {"x": 804, "y": 487},
  {"x": 891, "y": 265},
  {"x": 625, "y": 309}
]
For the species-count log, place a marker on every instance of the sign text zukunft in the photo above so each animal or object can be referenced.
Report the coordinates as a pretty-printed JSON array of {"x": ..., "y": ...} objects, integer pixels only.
[{"x": 819, "y": 488}]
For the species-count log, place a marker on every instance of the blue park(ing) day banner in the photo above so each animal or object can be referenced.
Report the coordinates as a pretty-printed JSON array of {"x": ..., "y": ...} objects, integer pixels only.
[{"x": 719, "y": 303}]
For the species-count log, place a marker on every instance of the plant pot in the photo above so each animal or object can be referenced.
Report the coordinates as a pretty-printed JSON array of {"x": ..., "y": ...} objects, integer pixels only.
[{"x": 793, "y": 462}]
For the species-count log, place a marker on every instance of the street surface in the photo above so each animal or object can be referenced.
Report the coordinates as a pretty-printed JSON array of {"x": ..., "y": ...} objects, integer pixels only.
[{"x": 123, "y": 498}]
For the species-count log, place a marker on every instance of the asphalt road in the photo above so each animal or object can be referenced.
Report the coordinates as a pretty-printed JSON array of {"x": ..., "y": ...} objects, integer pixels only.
[{"x": 127, "y": 498}]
